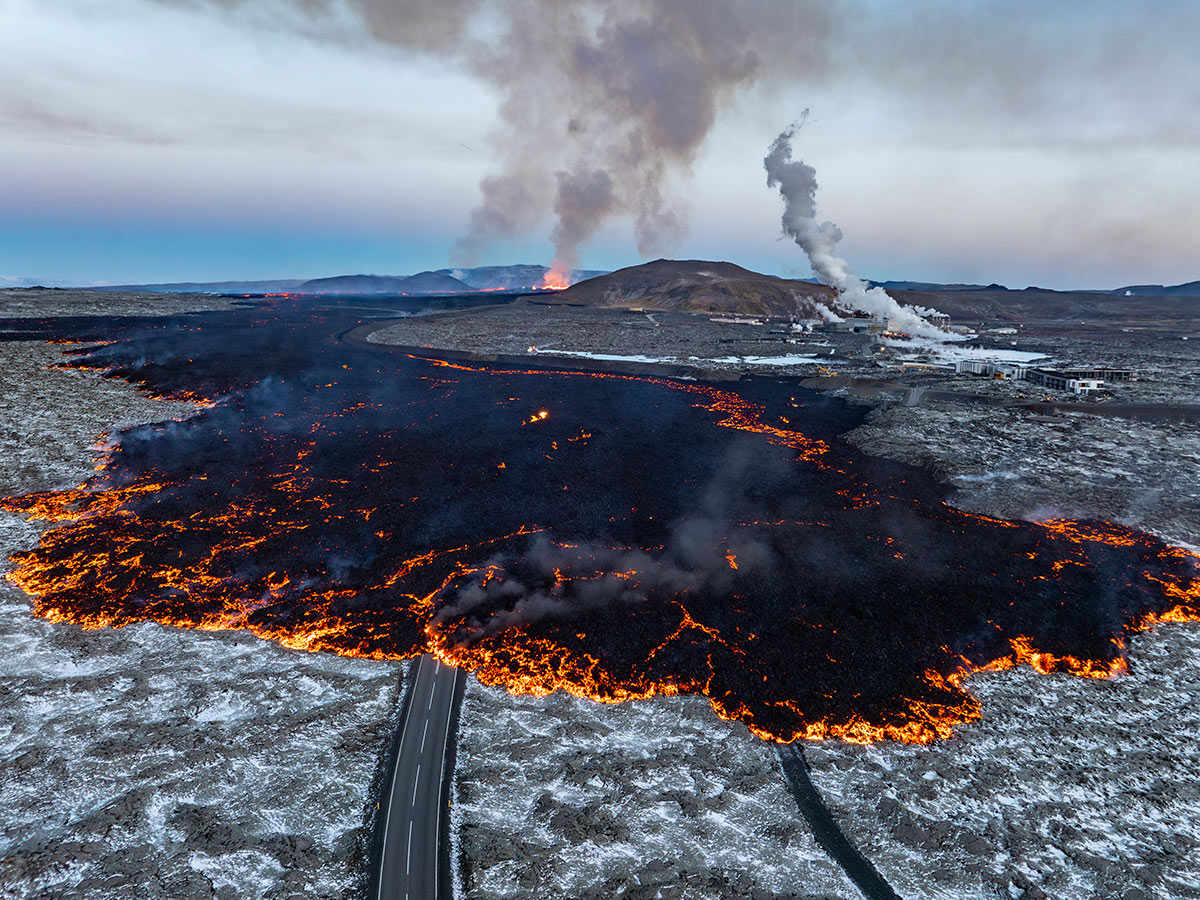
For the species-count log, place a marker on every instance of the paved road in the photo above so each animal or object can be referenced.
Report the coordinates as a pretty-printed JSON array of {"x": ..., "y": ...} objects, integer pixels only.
[
  {"x": 826, "y": 829},
  {"x": 413, "y": 805}
]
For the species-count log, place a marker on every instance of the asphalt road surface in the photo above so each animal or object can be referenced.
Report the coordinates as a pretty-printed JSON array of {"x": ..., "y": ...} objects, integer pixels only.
[
  {"x": 412, "y": 817},
  {"x": 826, "y": 829}
]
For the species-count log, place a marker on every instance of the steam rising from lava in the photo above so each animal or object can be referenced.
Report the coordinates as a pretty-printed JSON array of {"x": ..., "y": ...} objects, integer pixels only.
[{"x": 797, "y": 183}]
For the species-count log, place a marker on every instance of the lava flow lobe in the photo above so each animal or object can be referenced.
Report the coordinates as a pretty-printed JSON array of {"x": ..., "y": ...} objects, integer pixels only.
[{"x": 612, "y": 536}]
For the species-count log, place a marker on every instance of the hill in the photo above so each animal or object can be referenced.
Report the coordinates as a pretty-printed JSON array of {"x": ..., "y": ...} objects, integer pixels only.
[
  {"x": 1039, "y": 305},
  {"x": 693, "y": 285},
  {"x": 930, "y": 286},
  {"x": 421, "y": 283},
  {"x": 1191, "y": 289}
]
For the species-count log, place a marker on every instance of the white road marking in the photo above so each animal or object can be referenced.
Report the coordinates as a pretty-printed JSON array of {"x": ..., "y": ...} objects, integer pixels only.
[
  {"x": 432, "y": 691},
  {"x": 408, "y": 862},
  {"x": 423, "y": 733},
  {"x": 437, "y": 827},
  {"x": 387, "y": 818},
  {"x": 416, "y": 784}
]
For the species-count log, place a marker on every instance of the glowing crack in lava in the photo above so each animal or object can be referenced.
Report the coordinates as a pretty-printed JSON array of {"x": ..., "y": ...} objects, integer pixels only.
[{"x": 609, "y": 535}]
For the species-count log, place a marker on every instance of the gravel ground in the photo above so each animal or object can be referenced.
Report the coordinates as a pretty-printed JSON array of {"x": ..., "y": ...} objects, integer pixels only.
[{"x": 152, "y": 762}]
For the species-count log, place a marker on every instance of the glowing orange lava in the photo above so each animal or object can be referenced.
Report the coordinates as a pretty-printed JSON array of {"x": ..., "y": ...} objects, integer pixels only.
[
  {"x": 121, "y": 544},
  {"x": 557, "y": 279}
]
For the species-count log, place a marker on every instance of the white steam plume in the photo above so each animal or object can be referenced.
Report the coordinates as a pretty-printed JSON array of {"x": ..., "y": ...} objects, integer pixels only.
[{"x": 797, "y": 183}]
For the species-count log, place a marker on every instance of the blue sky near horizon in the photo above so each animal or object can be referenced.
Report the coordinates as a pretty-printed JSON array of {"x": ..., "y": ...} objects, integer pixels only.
[{"x": 997, "y": 140}]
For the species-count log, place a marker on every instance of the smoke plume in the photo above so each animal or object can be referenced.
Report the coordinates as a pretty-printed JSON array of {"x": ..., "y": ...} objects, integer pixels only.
[
  {"x": 797, "y": 183},
  {"x": 600, "y": 104}
]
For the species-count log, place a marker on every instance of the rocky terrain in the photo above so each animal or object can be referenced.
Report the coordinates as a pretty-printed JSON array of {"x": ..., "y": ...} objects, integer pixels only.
[
  {"x": 155, "y": 763},
  {"x": 1006, "y": 462},
  {"x": 651, "y": 799},
  {"x": 666, "y": 337},
  {"x": 178, "y": 764},
  {"x": 1068, "y": 788},
  {"x": 46, "y": 302},
  {"x": 1036, "y": 306}
]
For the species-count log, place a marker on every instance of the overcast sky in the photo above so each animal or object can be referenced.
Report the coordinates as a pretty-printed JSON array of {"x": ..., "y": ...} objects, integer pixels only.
[{"x": 1048, "y": 143}]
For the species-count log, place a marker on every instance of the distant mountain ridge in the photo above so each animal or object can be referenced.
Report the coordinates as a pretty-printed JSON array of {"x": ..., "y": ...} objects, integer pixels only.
[
  {"x": 421, "y": 283},
  {"x": 1190, "y": 289},
  {"x": 933, "y": 286},
  {"x": 441, "y": 281},
  {"x": 517, "y": 278},
  {"x": 276, "y": 286}
]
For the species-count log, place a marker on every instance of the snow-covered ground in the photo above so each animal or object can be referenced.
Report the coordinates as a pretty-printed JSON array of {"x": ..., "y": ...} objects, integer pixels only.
[
  {"x": 799, "y": 360},
  {"x": 1008, "y": 463},
  {"x": 952, "y": 353},
  {"x": 795, "y": 360},
  {"x": 609, "y": 357},
  {"x": 178, "y": 764},
  {"x": 1068, "y": 788},
  {"x": 561, "y": 797},
  {"x": 149, "y": 762}
]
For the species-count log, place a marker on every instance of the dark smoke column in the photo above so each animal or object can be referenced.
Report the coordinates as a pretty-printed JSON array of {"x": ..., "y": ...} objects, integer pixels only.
[{"x": 602, "y": 103}]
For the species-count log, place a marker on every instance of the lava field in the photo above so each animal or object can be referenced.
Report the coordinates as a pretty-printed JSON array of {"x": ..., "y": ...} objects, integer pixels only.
[{"x": 610, "y": 535}]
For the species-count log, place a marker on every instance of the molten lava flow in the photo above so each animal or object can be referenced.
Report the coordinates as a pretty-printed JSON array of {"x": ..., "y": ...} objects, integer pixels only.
[
  {"x": 737, "y": 412},
  {"x": 611, "y": 536},
  {"x": 557, "y": 279}
]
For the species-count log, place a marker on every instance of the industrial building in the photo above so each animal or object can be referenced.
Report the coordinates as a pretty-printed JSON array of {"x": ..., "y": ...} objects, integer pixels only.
[
  {"x": 1110, "y": 375},
  {"x": 990, "y": 369},
  {"x": 1061, "y": 381},
  {"x": 1072, "y": 380},
  {"x": 855, "y": 325}
]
